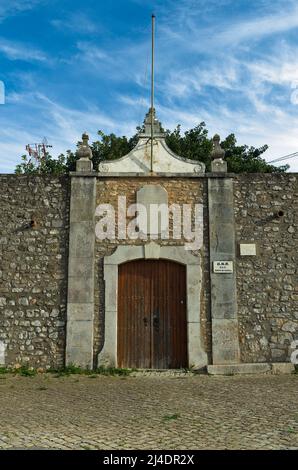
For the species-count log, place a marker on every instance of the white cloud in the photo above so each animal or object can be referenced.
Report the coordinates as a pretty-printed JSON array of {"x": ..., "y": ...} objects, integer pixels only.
[
  {"x": 259, "y": 27},
  {"x": 183, "y": 83},
  {"x": 121, "y": 63},
  {"x": 90, "y": 52},
  {"x": 133, "y": 101},
  {"x": 191, "y": 26},
  {"x": 62, "y": 125},
  {"x": 77, "y": 22},
  {"x": 13, "y": 7},
  {"x": 19, "y": 51},
  {"x": 277, "y": 70}
]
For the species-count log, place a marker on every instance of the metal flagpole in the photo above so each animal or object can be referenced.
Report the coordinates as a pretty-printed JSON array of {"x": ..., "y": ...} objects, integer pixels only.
[{"x": 152, "y": 93}]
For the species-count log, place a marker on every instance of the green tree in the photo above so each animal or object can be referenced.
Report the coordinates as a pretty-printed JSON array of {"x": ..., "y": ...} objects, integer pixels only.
[
  {"x": 245, "y": 159},
  {"x": 194, "y": 144},
  {"x": 47, "y": 164}
]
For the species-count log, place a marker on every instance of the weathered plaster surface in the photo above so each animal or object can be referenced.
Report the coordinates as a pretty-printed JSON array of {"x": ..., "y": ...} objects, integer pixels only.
[
  {"x": 80, "y": 302},
  {"x": 225, "y": 338},
  {"x": 139, "y": 160}
]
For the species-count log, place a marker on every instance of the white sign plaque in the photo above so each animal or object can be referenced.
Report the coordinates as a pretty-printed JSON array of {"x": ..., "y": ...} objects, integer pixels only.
[
  {"x": 248, "y": 249},
  {"x": 222, "y": 266}
]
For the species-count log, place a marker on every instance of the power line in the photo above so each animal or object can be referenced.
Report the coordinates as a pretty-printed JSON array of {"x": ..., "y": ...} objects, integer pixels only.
[{"x": 286, "y": 157}]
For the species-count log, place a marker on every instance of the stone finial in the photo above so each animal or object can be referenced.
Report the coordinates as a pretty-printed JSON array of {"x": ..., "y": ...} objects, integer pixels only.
[
  {"x": 218, "y": 165},
  {"x": 84, "y": 153},
  {"x": 217, "y": 151},
  {"x": 157, "y": 128}
]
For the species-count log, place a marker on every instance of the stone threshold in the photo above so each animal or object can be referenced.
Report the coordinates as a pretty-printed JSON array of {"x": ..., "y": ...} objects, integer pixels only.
[{"x": 275, "y": 368}]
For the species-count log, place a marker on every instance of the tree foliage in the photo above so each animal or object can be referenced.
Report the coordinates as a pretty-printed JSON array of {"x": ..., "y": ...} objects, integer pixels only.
[{"x": 194, "y": 144}]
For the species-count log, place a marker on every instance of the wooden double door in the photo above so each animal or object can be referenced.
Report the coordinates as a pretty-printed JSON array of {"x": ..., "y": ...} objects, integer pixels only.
[{"x": 152, "y": 328}]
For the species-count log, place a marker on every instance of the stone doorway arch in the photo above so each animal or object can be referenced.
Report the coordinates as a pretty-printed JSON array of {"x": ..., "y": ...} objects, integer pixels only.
[{"x": 197, "y": 357}]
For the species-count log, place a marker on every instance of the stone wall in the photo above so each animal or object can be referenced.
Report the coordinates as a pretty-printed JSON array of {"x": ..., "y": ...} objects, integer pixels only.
[
  {"x": 266, "y": 208},
  {"x": 33, "y": 264},
  {"x": 33, "y": 268}
]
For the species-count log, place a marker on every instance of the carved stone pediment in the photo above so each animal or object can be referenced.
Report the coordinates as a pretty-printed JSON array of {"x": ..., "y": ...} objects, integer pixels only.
[{"x": 139, "y": 159}]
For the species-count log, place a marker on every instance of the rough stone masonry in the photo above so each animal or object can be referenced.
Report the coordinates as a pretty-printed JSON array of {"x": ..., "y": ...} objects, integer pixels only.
[
  {"x": 52, "y": 289},
  {"x": 33, "y": 268}
]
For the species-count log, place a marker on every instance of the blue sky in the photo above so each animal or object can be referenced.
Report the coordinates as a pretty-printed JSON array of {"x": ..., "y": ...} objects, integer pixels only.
[{"x": 71, "y": 66}]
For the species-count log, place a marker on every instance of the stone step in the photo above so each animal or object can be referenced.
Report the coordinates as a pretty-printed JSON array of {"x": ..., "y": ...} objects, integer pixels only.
[{"x": 252, "y": 368}]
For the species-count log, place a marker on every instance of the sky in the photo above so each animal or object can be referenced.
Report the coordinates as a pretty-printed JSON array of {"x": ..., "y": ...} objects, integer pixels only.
[{"x": 67, "y": 67}]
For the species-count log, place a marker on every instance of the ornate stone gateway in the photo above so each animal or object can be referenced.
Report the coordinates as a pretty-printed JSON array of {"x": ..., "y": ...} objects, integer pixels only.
[
  {"x": 152, "y": 327},
  {"x": 153, "y": 263},
  {"x": 147, "y": 327}
]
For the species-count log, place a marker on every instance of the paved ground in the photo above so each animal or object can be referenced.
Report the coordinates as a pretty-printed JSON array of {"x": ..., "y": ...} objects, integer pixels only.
[{"x": 149, "y": 412}]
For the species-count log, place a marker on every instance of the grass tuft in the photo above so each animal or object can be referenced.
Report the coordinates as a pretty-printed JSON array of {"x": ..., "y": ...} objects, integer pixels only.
[{"x": 171, "y": 417}]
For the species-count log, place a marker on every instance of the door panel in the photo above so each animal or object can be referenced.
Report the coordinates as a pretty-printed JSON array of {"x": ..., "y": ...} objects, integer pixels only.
[
  {"x": 134, "y": 316},
  {"x": 152, "y": 315}
]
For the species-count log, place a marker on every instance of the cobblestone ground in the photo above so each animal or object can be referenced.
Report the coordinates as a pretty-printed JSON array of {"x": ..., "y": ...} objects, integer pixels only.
[{"x": 149, "y": 412}]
